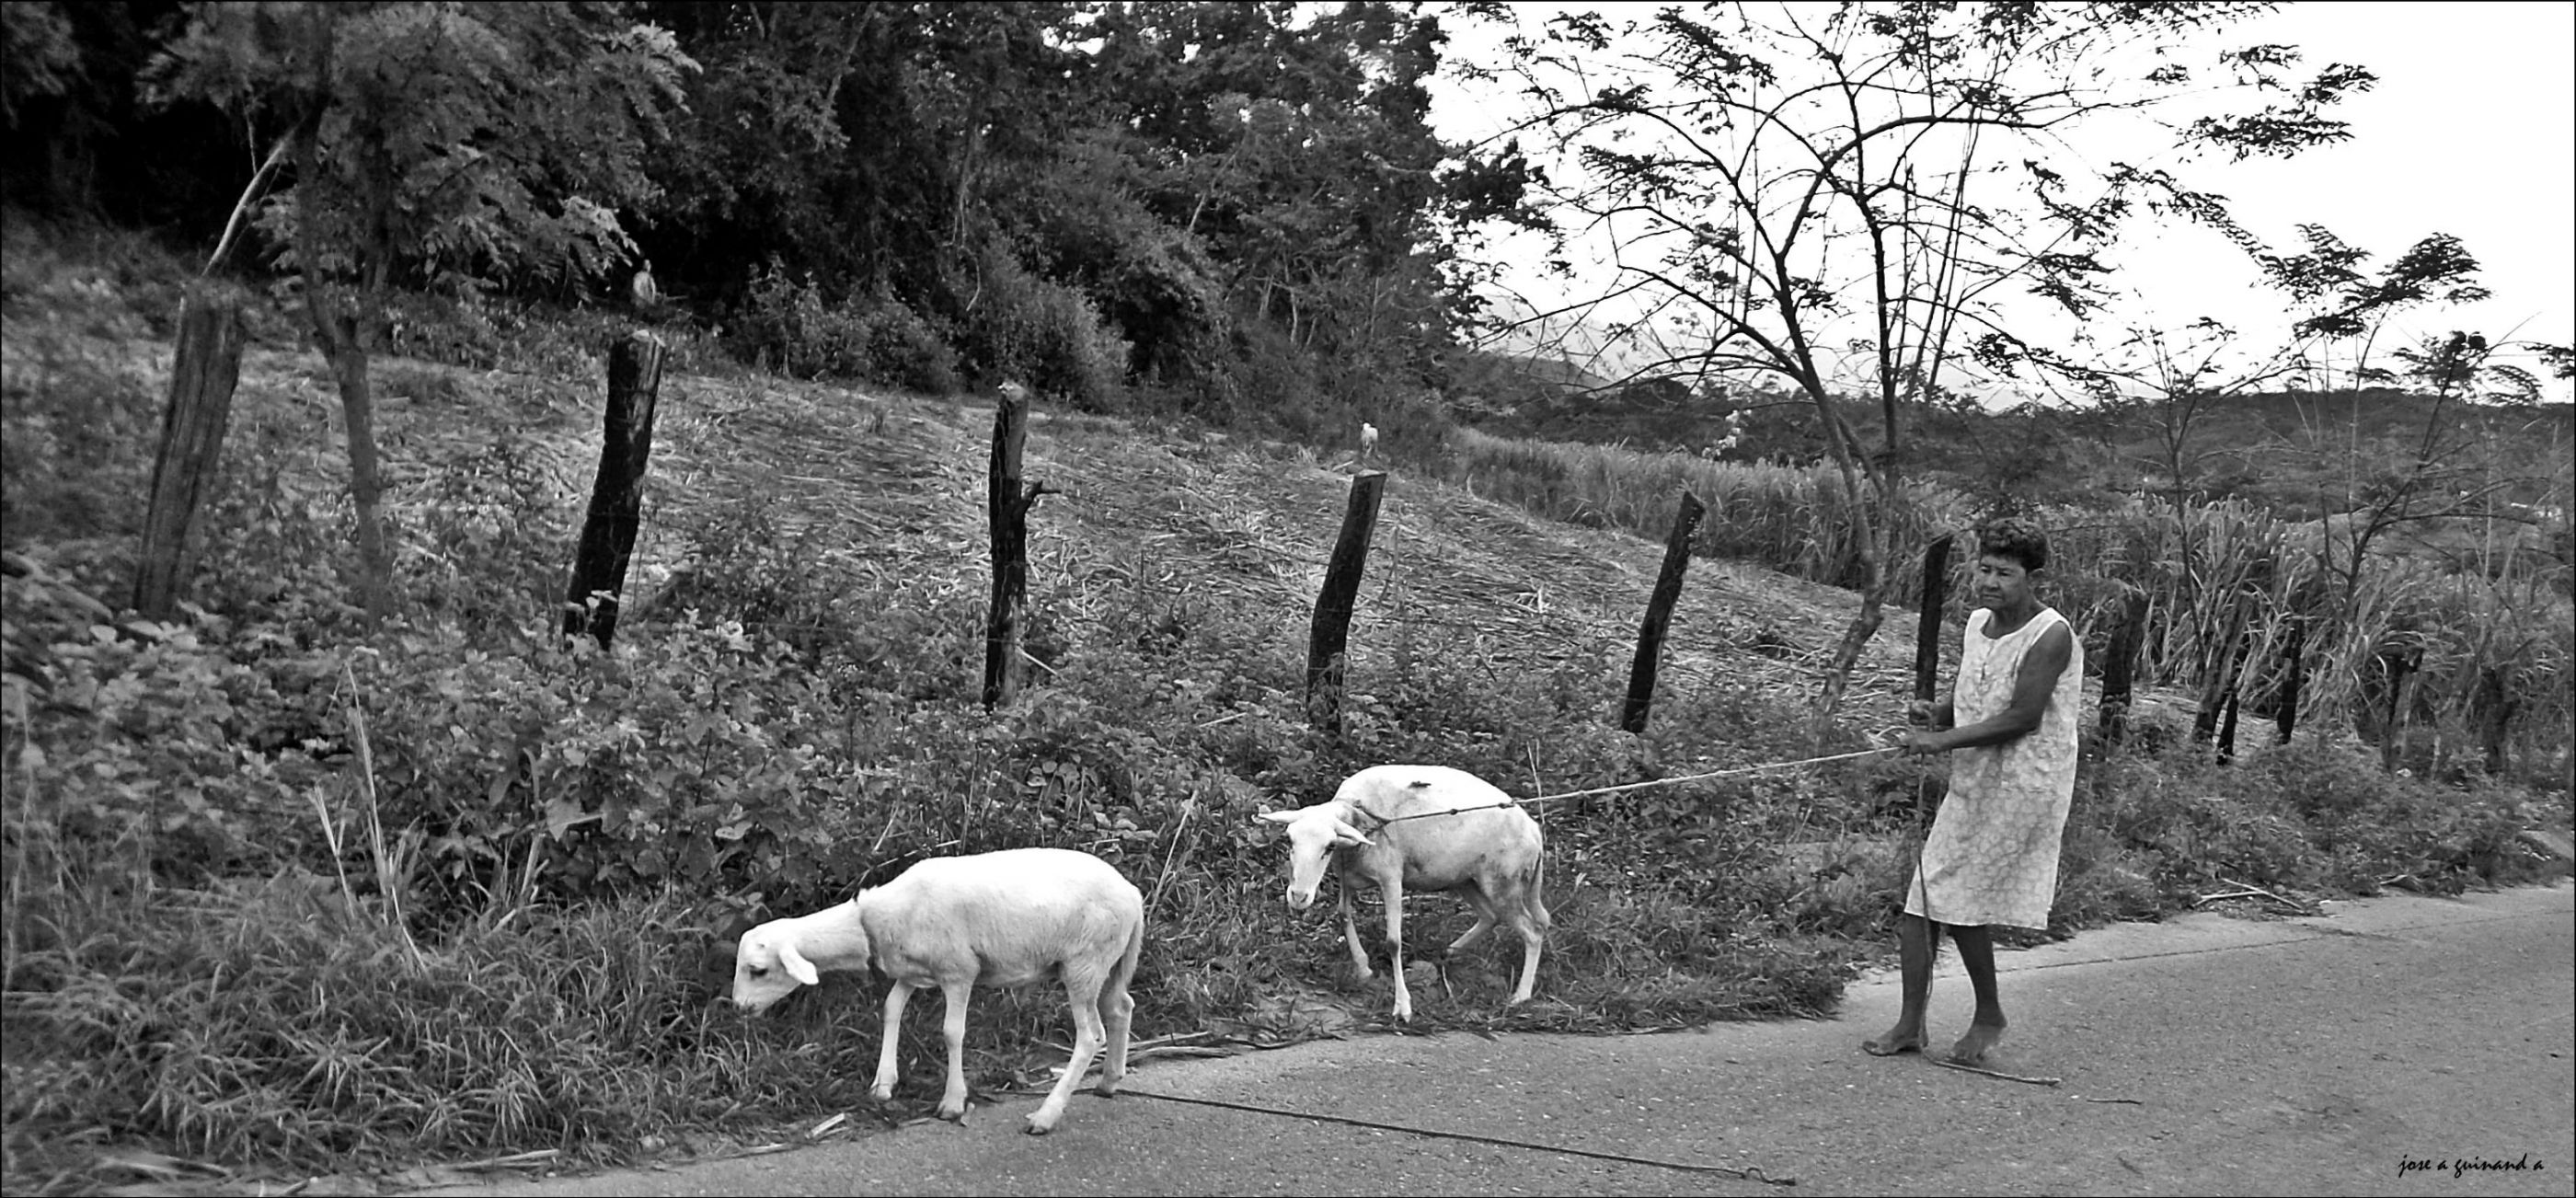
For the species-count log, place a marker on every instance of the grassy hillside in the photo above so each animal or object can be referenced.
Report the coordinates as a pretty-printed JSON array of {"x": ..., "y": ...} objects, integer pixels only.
[{"x": 290, "y": 894}]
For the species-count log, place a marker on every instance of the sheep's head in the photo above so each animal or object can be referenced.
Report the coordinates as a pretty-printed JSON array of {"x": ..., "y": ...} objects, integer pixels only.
[
  {"x": 1313, "y": 834},
  {"x": 767, "y": 966}
]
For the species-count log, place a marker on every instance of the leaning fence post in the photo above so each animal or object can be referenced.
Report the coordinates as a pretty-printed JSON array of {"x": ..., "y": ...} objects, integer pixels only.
[
  {"x": 617, "y": 496},
  {"x": 1659, "y": 615},
  {"x": 1328, "y": 639},
  {"x": 206, "y": 368},
  {"x": 1007, "y": 506}
]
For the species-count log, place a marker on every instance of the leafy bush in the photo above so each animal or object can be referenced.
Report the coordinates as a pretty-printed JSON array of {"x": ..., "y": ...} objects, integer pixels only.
[
  {"x": 786, "y": 321},
  {"x": 1014, "y": 324}
]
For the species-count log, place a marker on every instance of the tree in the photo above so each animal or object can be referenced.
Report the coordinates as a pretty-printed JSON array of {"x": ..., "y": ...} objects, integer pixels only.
[
  {"x": 454, "y": 146},
  {"x": 1877, "y": 190}
]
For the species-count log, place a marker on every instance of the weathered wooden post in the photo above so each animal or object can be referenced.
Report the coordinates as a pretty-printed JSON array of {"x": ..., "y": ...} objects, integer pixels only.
[
  {"x": 2218, "y": 675},
  {"x": 2227, "y": 727},
  {"x": 2402, "y": 659},
  {"x": 2295, "y": 657},
  {"x": 1659, "y": 615},
  {"x": 2116, "y": 672},
  {"x": 1007, "y": 506},
  {"x": 202, "y": 378},
  {"x": 2495, "y": 706},
  {"x": 2222, "y": 717},
  {"x": 1927, "y": 621},
  {"x": 1329, "y": 637},
  {"x": 617, "y": 496}
]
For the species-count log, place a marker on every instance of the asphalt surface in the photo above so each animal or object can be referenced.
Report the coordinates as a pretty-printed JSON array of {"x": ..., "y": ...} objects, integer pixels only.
[{"x": 2207, "y": 1055}]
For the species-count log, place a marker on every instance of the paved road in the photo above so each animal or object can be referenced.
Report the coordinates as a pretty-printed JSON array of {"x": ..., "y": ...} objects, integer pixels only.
[{"x": 2208, "y": 1055}]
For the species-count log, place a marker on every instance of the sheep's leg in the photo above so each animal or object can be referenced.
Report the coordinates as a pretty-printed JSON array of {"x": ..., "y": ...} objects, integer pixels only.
[
  {"x": 1392, "y": 889},
  {"x": 952, "y": 1105},
  {"x": 896, "y": 996},
  {"x": 1351, "y": 931},
  {"x": 1531, "y": 942},
  {"x": 1118, "y": 1010},
  {"x": 1086, "y": 1044},
  {"x": 1484, "y": 909}
]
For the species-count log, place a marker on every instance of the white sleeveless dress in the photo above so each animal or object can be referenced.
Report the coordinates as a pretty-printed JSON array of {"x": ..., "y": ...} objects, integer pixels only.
[{"x": 1991, "y": 857}]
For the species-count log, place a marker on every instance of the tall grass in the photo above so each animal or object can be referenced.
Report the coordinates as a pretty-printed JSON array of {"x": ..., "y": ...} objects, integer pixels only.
[
  {"x": 1796, "y": 519},
  {"x": 2227, "y": 585}
]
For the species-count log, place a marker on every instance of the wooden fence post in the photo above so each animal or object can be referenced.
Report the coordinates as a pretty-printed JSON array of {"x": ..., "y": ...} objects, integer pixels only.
[
  {"x": 2495, "y": 707},
  {"x": 1929, "y": 617},
  {"x": 2116, "y": 671},
  {"x": 2296, "y": 655},
  {"x": 2218, "y": 677},
  {"x": 617, "y": 495},
  {"x": 1007, "y": 505},
  {"x": 2402, "y": 662},
  {"x": 1659, "y": 615},
  {"x": 200, "y": 403},
  {"x": 1327, "y": 640}
]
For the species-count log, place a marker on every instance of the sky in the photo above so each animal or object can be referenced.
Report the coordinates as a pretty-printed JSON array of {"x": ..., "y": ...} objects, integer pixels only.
[{"x": 2471, "y": 131}]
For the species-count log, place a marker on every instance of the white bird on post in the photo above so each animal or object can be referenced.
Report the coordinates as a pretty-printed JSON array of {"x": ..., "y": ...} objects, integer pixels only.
[{"x": 1368, "y": 441}]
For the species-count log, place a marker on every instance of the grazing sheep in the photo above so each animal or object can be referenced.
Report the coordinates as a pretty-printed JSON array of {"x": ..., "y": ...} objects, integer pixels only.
[
  {"x": 1492, "y": 856},
  {"x": 1010, "y": 918},
  {"x": 1368, "y": 441}
]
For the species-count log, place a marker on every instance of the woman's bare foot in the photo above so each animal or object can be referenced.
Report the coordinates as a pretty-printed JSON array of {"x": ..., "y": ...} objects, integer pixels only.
[
  {"x": 1971, "y": 1048},
  {"x": 1897, "y": 1040}
]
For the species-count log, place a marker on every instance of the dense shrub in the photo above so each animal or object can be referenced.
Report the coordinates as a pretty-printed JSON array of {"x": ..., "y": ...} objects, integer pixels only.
[
  {"x": 1016, "y": 325},
  {"x": 786, "y": 321}
]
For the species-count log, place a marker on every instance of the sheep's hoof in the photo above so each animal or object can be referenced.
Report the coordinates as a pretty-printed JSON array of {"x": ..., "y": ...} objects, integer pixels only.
[
  {"x": 956, "y": 1114},
  {"x": 1036, "y": 1128}
]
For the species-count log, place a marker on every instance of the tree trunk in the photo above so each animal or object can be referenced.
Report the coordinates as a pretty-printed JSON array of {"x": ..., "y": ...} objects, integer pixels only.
[
  {"x": 1872, "y": 502},
  {"x": 343, "y": 344},
  {"x": 1659, "y": 615},
  {"x": 207, "y": 367},
  {"x": 1855, "y": 637},
  {"x": 617, "y": 494},
  {"x": 1007, "y": 506},
  {"x": 1328, "y": 637}
]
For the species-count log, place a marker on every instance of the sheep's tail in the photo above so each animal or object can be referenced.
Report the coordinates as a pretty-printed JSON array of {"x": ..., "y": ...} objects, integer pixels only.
[
  {"x": 1538, "y": 893},
  {"x": 1126, "y": 970}
]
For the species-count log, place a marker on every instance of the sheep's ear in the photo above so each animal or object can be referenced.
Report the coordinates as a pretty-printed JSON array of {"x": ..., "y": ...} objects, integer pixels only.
[
  {"x": 1277, "y": 817},
  {"x": 1344, "y": 833},
  {"x": 796, "y": 965}
]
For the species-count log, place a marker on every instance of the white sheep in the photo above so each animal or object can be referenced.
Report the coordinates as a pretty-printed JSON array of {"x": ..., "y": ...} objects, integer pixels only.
[
  {"x": 1010, "y": 918},
  {"x": 1368, "y": 441},
  {"x": 1492, "y": 856}
]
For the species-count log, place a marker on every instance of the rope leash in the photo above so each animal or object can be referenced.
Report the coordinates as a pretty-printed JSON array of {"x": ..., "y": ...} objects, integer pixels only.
[
  {"x": 1746, "y": 1173},
  {"x": 1603, "y": 790}
]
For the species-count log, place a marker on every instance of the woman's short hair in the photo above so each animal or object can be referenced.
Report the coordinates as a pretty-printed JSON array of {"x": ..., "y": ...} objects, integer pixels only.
[{"x": 2016, "y": 538}]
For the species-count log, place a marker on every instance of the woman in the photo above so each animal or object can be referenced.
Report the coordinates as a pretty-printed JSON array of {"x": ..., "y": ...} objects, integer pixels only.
[{"x": 1991, "y": 856}]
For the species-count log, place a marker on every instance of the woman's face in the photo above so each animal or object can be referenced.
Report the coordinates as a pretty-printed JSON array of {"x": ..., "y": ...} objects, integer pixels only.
[{"x": 2001, "y": 582}]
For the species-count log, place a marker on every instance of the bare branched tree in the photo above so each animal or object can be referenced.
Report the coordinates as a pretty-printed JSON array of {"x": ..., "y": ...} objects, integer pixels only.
[{"x": 1883, "y": 201}]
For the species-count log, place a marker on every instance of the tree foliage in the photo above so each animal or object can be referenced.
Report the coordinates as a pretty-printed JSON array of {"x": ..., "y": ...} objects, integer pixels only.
[{"x": 439, "y": 145}]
